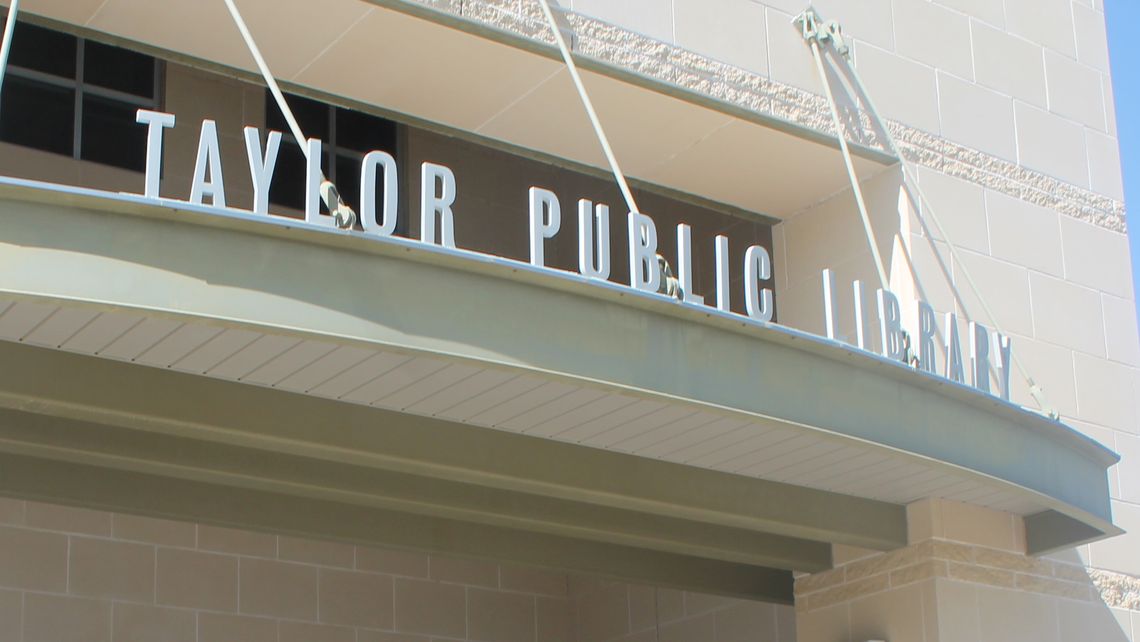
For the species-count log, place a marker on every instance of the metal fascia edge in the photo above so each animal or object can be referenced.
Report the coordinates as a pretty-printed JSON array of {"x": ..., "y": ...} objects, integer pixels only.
[{"x": 50, "y": 193}]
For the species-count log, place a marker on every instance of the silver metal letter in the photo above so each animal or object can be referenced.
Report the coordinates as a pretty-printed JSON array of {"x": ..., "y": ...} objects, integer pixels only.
[
  {"x": 643, "y": 271},
  {"x": 926, "y": 331},
  {"x": 980, "y": 356},
  {"x": 433, "y": 205},
  {"x": 591, "y": 225},
  {"x": 155, "y": 122},
  {"x": 1004, "y": 356},
  {"x": 723, "y": 301},
  {"x": 860, "y": 326},
  {"x": 829, "y": 320},
  {"x": 954, "y": 369},
  {"x": 545, "y": 221},
  {"x": 368, "y": 220},
  {"x": 685, "y": 265},
  {"x": 313, "y": 179},
  {"x": 261, "y": 166},
  {"x": 757, "y": 267},
  {"x": 209, "y": 157},
  {"x": 890, "y": 324}
]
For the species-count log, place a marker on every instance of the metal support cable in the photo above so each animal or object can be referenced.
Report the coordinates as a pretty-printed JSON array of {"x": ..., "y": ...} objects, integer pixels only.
[
  {"x": 589, "y": 105},
  {"x": 6, "y": 45},
  {"x": 884, "y": 281},
  {"x": 345, "y": 217},
  {"x": 810, "y": 23},
  {"x": 911, "y": 183}
]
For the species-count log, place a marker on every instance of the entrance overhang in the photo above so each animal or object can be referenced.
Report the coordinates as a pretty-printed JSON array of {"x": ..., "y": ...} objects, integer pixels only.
[{"x": 254, "y": 357}]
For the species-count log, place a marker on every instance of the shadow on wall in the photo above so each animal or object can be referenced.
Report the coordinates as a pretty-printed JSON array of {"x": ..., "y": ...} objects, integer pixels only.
[
  {"x": 831, "y": 235},
  {"x": 1099, "y": 620},
  {"x": 618, "y": 612},
  {"x": 918, "y": 261}
]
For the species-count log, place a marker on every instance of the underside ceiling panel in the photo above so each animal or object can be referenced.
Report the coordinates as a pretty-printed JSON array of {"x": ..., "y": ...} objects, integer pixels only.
[{"x": 353, "y": 51}]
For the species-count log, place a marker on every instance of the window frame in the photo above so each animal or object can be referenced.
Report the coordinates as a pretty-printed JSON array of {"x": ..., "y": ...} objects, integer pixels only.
[
  {"x": 82, "y": 88},
  {"x": 330, "y": 150}
]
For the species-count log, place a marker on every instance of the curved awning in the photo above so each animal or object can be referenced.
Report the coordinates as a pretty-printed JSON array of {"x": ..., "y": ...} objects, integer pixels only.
[{"x": 208, "y": 352}]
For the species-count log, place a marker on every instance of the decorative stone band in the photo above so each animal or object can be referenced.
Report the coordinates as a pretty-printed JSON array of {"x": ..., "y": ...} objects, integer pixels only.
[
  {"x": 693, "y": 72},
  {"x": 964, "y": 563},
  {"x": 1117, "y": 590}
]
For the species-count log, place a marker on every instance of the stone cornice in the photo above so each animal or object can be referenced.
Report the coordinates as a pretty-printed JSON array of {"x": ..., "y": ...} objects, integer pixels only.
[{"x": 1118, "y": 590}]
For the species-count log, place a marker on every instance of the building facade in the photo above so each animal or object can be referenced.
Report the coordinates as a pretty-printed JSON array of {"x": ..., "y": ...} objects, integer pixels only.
[{"x": 881, "y": 390}]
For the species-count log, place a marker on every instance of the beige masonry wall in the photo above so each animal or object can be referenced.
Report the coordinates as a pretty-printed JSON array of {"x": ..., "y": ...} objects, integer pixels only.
[
  {"x": 78, "y": 575},
  {"x": 90, "y": 576}
]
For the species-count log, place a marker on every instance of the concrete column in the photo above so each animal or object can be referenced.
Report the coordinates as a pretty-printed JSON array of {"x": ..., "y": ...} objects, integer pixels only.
[{"x": 963, "y": 577}]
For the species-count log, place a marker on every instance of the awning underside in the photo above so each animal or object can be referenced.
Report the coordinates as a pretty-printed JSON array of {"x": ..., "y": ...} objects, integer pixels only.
[
  {"x": 476, "y": 83},
  {"x": 566, "y": 420}
]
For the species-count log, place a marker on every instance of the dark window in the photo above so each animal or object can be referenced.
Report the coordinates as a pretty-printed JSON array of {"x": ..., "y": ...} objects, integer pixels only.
[
  {"x": 39, "y": 49},
  {"x": 37, "y": 114},
  {"x": 348, "y": 181},
  {"x": 119, "y": 69},
  {"x": 363, "y": 133},
  {"x": 76, "y": 97},
  {"x": 346, "y": 136},
  {"x": 311, "y": 115},
  {"x": 111, "y": 135},
  {"x": 288, "y": 186}
]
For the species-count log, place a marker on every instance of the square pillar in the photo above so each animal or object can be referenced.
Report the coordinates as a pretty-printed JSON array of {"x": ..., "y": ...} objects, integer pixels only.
[{"x": 964, "y": 577}]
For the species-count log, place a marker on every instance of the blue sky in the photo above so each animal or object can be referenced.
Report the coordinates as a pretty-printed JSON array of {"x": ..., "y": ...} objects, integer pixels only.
[{"x": 1124, "y": 52}]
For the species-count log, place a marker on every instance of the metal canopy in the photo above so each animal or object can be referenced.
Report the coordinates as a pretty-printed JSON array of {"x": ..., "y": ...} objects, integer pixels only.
[{"x": 459, "y": 388}]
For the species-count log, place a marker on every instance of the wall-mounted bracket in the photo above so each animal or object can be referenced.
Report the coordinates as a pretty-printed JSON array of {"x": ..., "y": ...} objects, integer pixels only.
[{"x": 813, "y": 27}]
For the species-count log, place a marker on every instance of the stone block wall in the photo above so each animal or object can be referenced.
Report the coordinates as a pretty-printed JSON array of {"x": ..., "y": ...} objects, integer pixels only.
[{"x": 79, "y": 575}]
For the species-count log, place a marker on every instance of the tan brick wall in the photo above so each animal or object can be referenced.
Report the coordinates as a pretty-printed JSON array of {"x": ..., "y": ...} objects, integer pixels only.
[
  {"x": 92, "y": 576},
  {"x": 70, "y": 574}
]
